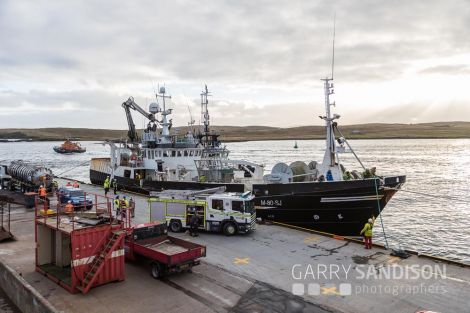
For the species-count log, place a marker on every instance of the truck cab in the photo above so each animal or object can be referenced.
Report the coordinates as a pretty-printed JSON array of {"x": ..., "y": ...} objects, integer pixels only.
[
  {"x": 226, "y": 212},
  {"x": 4, "y": 177},
  {"x": 230, "y": 213}
]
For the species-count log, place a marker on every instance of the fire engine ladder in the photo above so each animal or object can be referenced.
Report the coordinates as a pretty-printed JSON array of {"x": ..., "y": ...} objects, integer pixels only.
[{"x": 99, "y": 260}]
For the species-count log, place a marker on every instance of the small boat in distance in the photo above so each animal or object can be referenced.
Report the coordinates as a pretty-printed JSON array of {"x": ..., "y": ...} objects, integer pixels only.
[
  {"x": 69, "y": 147},
  {"x": 295, "y": 145}
]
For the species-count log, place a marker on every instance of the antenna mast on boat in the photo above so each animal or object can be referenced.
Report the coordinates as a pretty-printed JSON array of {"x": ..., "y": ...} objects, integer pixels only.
[
  {"x": 330, "y": 161},
  {"x": 165, "y": 124},
  {"x": 205, "y": 111}
]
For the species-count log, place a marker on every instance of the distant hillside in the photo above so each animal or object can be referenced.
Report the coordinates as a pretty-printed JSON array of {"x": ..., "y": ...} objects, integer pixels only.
[{"x": 243, "y": 133}]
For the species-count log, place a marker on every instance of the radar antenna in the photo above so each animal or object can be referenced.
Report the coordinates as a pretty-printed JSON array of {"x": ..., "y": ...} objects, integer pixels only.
[{"x": 166, "y": 125}]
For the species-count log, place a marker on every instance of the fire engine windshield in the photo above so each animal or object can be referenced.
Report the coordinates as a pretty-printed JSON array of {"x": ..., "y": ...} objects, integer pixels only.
[{"x": 250, "y": 207}]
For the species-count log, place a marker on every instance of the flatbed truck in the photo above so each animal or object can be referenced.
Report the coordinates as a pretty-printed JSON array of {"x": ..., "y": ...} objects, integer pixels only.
[{"x": 166, "y": 254}]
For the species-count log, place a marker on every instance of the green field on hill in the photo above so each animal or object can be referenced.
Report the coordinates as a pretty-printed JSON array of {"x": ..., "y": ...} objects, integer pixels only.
[{"x": 244, "y": 133}]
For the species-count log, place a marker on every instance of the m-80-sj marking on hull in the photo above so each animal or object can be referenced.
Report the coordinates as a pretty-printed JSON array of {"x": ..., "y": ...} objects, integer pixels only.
[{"x": 271, "y": 202}]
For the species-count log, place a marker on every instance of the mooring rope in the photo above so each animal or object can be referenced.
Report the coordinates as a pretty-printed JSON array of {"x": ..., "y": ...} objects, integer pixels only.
[
  {"x": 380, "y": 213},
  {"x": 81, "y": 164}
]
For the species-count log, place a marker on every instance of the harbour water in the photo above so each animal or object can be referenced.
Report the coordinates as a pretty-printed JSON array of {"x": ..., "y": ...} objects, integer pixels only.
[{"x": 436, "y": 220}]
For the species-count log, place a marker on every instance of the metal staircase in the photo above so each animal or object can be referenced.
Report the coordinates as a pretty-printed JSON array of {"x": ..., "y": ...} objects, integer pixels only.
[{"x": 99, "y": 260}]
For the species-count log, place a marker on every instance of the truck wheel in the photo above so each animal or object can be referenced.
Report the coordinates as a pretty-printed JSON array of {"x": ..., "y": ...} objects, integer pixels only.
[
  {"x": 175, "y": 226},
  {"x": 156, "y": 270},
  {"x": 230, "y": 229}
]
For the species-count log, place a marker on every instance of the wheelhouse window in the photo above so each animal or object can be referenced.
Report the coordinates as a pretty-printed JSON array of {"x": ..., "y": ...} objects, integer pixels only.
[{"x": 250, "y": 206}]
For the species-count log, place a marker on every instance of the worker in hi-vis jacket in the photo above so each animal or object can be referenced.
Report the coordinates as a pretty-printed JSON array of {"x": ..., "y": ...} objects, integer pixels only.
[{"x": 367, "y": 233}]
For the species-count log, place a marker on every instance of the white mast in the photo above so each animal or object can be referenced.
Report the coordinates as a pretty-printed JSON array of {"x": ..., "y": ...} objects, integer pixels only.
[
  {"x": 330, "y": 159},
  {"x": 330, "y": 153},
  {"x": 204, "y": 110},
  {"x": 165, "y": 124}
]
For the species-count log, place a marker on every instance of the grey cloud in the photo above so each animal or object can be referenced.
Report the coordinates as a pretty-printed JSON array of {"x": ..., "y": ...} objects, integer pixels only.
[
  {"x": 298, "y": 114},
  {"x": 38, "y": 108},
  {"x": 419, "y": 113},
  {"x": 113, "y": 48},
  {"x": 234, "y": 41},
  {"x": 447, "y": 69}
]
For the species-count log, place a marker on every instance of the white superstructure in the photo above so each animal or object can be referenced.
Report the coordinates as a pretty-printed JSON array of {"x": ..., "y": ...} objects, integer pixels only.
[{"x": 160, "y": 156}]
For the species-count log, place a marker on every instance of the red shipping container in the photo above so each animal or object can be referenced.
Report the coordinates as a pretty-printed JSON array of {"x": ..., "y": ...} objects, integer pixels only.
[
  {"x": 86, "y": 245},
  {"x": 79, "y": 256}
]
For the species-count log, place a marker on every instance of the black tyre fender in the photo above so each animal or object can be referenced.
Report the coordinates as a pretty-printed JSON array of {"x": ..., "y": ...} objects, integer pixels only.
[
  {"x": 175, "y": 226},
  {"x": 157, "y": 270},
  {"x": 230, "y": 229}
]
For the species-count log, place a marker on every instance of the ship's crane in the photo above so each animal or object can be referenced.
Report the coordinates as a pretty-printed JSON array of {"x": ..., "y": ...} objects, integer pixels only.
[{"x": 130, "y": 104}]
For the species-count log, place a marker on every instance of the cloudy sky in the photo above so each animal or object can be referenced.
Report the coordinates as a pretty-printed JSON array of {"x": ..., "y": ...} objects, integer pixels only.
[{"x": 72, "y": 63}]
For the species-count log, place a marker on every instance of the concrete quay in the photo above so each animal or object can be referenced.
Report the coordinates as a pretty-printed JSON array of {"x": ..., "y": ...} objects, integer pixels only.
[{"x": 274, "y": 269}]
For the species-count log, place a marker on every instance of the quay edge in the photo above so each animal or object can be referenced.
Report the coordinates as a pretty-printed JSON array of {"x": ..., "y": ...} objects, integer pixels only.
[
  {"x": 270, "y": 249},
  {"x": 21, "y": 293}
]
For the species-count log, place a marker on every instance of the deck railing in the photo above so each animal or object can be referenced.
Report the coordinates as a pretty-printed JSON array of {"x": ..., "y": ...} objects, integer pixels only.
[{"x": 51, "y": 210}]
